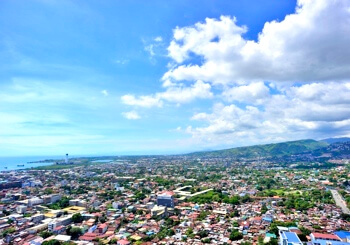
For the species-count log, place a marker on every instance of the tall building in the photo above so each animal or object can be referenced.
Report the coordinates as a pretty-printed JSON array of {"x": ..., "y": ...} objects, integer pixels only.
[
  {"x": 66, "y": 160},
  {"x": 166, "y": 199}
]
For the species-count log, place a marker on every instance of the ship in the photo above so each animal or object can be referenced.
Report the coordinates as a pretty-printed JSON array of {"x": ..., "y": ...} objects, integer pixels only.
[{"x": 20, "y": 165}]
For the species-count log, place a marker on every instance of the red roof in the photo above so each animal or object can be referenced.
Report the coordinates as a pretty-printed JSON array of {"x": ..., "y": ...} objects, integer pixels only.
[
  {"x": 123, "y": 242},
  {"x": 325, "y": 236},
  {"x": 88, "y": 236},
  {"x": 102, "y": 226}
]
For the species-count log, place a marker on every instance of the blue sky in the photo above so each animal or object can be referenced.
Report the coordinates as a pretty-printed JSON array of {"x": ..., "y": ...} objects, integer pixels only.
[{"x": 147, "y": 77}]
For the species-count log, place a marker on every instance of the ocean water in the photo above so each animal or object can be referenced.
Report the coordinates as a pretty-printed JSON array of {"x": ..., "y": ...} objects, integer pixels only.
[{"x": 10, "y": 163}]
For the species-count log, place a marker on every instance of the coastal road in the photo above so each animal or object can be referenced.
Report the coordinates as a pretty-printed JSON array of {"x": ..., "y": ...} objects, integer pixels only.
[{"x": 340, "y": 201}]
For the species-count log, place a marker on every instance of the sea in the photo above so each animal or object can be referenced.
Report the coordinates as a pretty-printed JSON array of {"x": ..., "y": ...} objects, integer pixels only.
[{"x": 15, "y": 163}]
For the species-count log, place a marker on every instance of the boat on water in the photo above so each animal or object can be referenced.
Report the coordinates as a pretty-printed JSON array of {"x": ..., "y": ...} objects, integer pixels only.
[
  {"x": 5, "y": 167},
  {"x": 20, "y": 165}
]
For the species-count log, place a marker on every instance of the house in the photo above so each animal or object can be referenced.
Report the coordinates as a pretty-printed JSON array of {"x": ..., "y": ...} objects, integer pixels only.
[
  {"x": 328, "y": 237},
  {"x": 123, "y": 242},
  {"x": 59, "y": 230},
  {"x": 289, "y": 238},
  {"x": 102, "y": 228},
  {"x": 343, "y": 235}
]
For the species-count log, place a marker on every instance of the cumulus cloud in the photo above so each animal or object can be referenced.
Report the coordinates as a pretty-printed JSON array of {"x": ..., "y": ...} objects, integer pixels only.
[
  {"x": 291, "y": 83},
  {"x": 255, "y": 93},
  {"x": 177, "y": 94},
  {"x": 181, "y": 94},
  {"x": 131, "y": 115},
  {"x": 293, "y": 114},
  {"x": 309, "y": 45}
]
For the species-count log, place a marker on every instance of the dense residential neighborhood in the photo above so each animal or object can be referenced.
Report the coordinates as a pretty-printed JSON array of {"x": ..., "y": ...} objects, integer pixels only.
[{"x": 175, "y": 200}]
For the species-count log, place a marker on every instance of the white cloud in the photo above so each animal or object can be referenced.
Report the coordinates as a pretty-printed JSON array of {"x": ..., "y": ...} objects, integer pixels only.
[
  {"x": 104, "y": 92},
  {"x": 121, "y": 61},
  {"x": 255, "y": 93},
  {"x": 150, "y": 50},
  {"x": 158, "y": 39},
  {"x": 181, "y": 94},
  {"x": 292, "y": 83},
  {"x": 131, "y": 115},
  {"x": 311, "y": 110},
  {"x": 177, "y": 94},
  {"x": 309, "y": 45},
  {"x": 142, "y": 101}
]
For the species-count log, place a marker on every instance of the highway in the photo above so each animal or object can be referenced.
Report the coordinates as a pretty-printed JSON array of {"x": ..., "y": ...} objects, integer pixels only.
[{"x": 340, "y": 201}]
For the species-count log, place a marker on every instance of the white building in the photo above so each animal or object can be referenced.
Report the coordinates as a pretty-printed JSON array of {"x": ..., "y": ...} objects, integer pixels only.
[
  {"x": 21, "y": 209},
  {"x": 55, "y": 198},
  {"x": 58, "y": 222},
  {"x": 77, "y": 202},
  {"x": 35, "y": 201}
]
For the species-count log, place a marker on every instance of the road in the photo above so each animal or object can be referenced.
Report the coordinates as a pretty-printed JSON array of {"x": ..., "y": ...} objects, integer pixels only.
[{"x": 340, "y": 201}]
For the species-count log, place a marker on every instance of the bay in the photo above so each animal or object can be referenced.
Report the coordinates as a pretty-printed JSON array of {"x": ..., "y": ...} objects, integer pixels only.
[{"x": 12, "y": 163}]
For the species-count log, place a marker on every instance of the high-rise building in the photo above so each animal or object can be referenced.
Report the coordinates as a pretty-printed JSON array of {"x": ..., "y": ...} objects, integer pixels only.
[
  {"x": 66, "y": 160},
  {"x": 166, "y": 199}
]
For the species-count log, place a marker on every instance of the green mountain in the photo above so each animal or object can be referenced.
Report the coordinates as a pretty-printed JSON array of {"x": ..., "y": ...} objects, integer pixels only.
[{"x": 269, "y": 150}]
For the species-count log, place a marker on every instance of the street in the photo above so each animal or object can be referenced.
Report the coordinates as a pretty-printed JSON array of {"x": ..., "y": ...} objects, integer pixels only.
[{"x": 340, "y": 201}]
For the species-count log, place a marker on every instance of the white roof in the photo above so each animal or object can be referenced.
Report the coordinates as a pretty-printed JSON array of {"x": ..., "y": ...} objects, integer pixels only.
[{"x": 63, "y": 238}]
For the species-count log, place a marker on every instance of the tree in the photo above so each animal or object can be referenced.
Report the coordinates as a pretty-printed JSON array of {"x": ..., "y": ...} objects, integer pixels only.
[
  {"x": 8, "y": 231},
  {"x": 189, "y": 233},
  {"x": 206, "y": 240},
  {"x": 102, "y": 219},
  {"x": 273, "y": 241},
  {"x": 75, "y": 232},
  {"x": 77, "y": 218},
  {"x": 246, "y": 243},
  {"x": 302, "y": 237},
  {"x": 52, "y": 242},
  {"x": 45, "y": 234},
  {"x": 203, "y": 233},
  {"x": 305, "y": 231},
  {"x": 48, "y": 191},
  {"x": 235, "y": 235},
  {"x": 203, "y": 215}
]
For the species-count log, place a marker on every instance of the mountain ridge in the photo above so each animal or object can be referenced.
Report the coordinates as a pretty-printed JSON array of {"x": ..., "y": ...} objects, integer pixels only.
[{"x": 265, "y": 150}]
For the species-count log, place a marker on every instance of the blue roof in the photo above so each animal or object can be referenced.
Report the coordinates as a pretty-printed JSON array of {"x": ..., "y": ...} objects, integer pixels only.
[
  {"x": 342, "y": 234},
  {"x": 324, "y": 242},
  {"x": 291, "y": 237},
  {"x": 270, "y": 235},
  {"x": 269, "y": 219}
]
